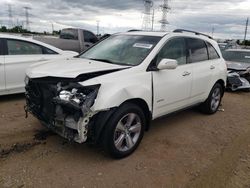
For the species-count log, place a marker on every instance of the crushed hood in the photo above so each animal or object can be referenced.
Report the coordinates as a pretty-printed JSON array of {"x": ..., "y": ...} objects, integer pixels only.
[
  {"x": 70, "y": 68},
  {"x": 237, "y": 65}
]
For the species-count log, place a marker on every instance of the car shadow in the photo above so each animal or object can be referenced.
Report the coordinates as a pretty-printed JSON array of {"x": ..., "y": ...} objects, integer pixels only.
[{"x": 6, "y": 98}]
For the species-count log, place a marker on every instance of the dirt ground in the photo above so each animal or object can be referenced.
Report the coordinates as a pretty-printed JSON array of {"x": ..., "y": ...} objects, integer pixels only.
[{"x": 187, "y": 149}]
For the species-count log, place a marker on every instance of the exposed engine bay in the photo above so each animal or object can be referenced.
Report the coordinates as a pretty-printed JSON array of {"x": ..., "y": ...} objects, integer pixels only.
[
  {"x": 238, "y": 79},
  {"x": 62, "y": 106}
]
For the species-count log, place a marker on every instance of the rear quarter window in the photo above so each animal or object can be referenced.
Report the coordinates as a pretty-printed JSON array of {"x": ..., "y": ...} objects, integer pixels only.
[
  {"x": 49, "y": 51},
  {"x": 212, "y": 53}
]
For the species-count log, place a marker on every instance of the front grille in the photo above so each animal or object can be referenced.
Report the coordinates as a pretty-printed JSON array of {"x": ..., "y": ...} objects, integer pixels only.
[
  {"x": 39, "y": 98},
  {"x": 234, "y": 81}
]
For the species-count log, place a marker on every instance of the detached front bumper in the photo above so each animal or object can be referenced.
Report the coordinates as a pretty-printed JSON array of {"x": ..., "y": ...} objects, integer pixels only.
[{"x": 62, "y": 107}]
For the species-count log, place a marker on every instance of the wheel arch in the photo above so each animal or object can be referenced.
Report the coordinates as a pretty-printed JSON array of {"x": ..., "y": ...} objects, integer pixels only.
[
  {"x": 99, "y": 120},
  {"x": 145, "y": 108},
  {"x": 223, "y": 84}
]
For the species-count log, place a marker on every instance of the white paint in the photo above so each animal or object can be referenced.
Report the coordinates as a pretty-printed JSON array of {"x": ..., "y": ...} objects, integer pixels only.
[
  {"x": 13, "y": 67},
  {"x": 171, "y": 89}
]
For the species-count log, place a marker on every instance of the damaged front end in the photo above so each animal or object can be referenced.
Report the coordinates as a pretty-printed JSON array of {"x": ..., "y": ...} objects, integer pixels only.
[
  {"x": 238, "y": 79},
  {"x": 63, "y": 106}
]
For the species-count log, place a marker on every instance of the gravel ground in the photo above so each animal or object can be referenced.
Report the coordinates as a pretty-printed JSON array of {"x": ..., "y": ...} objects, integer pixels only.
[{"x": 187, "y": 149}]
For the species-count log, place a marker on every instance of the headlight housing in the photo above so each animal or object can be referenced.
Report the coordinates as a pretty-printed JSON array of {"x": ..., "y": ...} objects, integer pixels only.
[{"x": 78, "y": 96}]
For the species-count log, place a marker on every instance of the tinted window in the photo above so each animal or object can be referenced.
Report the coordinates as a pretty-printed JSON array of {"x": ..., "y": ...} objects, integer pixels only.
[
  {"x": 197, "y": 50},
  {"x": 49, "y": 51},
  {"x": 1, "y": 47},
  {"x": 174, "y": 49},
  {"x": 89, "y": 37},
  {"x": 18, "y": 47},
  {"x": 212, "y": 53}
]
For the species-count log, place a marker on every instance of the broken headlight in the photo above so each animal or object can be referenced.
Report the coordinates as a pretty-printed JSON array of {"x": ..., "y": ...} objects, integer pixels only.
[{"x": 77, "y": 96}]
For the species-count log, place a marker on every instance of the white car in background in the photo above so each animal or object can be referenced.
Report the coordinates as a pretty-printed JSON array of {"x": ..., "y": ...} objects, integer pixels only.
[{"x": 17, "y": 54}]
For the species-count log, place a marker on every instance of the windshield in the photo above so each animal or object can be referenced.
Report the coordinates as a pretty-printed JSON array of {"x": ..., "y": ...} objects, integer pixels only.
[
  {"x": 122, "y": 49},
  {"x": 237, "y": 56}
]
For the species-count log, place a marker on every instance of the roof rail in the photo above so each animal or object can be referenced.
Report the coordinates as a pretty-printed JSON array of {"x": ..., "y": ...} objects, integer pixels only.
[
  {"x": 196, "y": 33},
  {"x": 133, "y": 30}
]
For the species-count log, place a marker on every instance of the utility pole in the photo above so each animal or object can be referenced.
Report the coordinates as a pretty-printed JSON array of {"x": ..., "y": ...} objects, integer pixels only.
[
  {"x": 52, "y": 27},
  {"x": 97, "y": 27},
  {"x": 245, "y": 36},
  {"x": 213, "y": 31},
  {"x": 153, "y": 19}
]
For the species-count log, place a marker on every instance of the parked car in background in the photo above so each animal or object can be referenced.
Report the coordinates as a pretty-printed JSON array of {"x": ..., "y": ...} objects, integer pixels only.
[
  {"x": 73, "y": 39},
  {"x": 111, "y": 92},
  {"x": 17, "y": 54},
  {"x": 238, "y": 64}
]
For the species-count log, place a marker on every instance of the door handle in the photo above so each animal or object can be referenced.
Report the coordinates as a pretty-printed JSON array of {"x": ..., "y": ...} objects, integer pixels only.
[
  {"x": 186, "y": 73},
  {"x": 87, "y": 45},
  {"x": 212, "y": 67}
]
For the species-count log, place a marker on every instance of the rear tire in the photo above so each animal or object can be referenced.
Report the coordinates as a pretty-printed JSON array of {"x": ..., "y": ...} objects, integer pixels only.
[
  {"x": 211, "y": 105},
  {"x": 124, "y": 130}
]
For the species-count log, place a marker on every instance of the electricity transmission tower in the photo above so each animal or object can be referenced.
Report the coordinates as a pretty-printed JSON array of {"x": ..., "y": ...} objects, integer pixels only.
[
  {"x": 147, "y": 20},
  {"x": 164, "y": 21},
  {"x": 27, "y": 17},
  {"x": 10, "y": 24}
]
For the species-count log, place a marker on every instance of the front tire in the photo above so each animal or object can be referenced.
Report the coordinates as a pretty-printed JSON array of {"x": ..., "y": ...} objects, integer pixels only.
[
  {"x": 124, "y": 131},
  {"x": 212, "y": 104}
]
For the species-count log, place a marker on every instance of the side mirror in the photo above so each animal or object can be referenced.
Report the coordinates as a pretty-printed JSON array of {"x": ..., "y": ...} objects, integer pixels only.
[{"x": 167, "y": 64}]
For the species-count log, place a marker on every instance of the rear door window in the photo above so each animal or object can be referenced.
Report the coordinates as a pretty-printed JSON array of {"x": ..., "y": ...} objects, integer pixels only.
[
  {"x": 19, "y": 47},
  {"x": 197, "y": 50}
]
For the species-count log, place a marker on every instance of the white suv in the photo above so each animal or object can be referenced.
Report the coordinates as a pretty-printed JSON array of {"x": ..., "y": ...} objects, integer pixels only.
[{"x": 111, "y": 92}]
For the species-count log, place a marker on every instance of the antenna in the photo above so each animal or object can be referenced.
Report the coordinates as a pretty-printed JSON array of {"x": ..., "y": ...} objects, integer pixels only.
[
  {"x": 10, "y": 16},
  {"x": 27, "y": 17},
  {"x": 165, "y": 9},
  {"x": 146, "y": 23}
]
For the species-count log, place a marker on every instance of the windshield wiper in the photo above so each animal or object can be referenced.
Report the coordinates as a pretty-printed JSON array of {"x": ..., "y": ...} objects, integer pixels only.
[
  {"x": 108, "y": 61},
  {"x": 103, "y": 60}
]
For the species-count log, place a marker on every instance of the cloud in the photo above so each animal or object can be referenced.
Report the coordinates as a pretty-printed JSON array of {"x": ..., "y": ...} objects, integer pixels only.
[{"x": 227, "y": 17}]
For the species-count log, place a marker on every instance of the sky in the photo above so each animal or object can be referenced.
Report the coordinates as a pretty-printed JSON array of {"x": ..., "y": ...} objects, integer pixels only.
[{"x": 227, "y": 17}]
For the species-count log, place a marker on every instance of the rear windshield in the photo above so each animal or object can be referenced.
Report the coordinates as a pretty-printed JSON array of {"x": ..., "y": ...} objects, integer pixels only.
[
  {"x": 69, "y": 34},
  {"x": 237, "y": 56}
]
